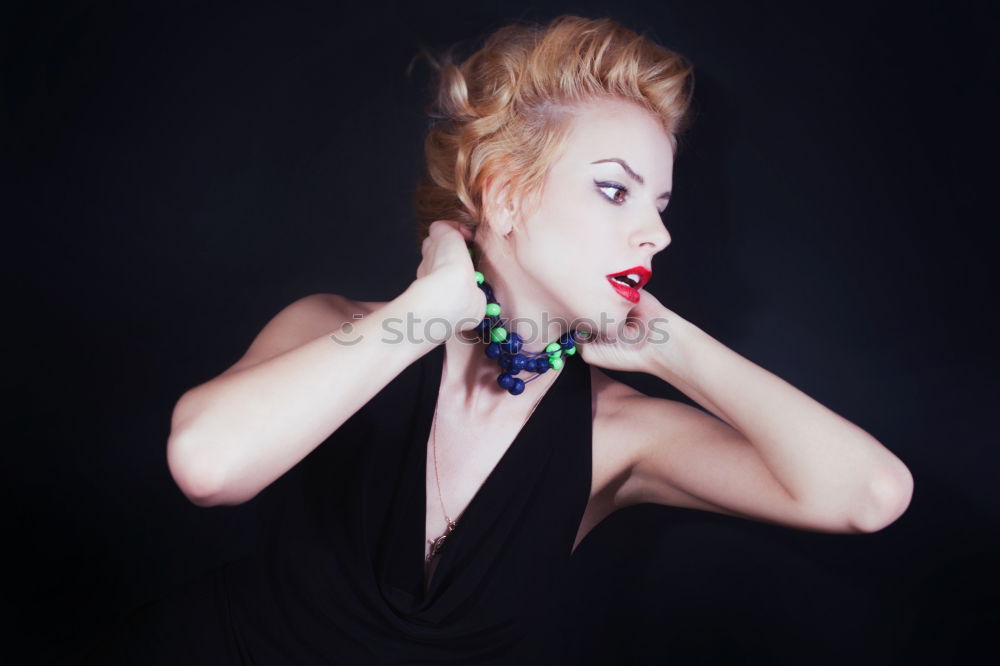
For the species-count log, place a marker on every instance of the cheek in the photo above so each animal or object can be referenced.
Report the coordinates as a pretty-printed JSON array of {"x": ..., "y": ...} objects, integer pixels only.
[
  {"x": 570, "y": 248},
  {"x": 578, "y": 249}
]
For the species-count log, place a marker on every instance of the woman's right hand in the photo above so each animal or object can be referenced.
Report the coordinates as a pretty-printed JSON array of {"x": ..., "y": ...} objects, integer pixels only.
[{"x": 446, "y": 276}]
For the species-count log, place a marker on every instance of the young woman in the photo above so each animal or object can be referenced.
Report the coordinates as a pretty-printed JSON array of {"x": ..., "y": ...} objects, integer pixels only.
[{"x": 468, "y": 422}]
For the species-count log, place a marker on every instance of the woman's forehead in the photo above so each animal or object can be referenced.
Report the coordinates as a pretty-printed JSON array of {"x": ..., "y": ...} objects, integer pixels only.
[{"x": 623, "y": 132}]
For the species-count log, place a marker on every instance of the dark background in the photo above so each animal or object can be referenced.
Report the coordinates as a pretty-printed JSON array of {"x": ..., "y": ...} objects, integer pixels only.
[{"x": 177, "y": 173}]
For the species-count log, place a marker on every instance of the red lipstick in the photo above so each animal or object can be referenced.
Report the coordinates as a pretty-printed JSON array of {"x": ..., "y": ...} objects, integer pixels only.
[{"x": 630, "y": 281}]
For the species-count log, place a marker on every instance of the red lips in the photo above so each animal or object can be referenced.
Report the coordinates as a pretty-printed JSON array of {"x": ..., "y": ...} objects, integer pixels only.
[
  {"x": 644, "y": 275},
  {"x": 630, "y": 291}
]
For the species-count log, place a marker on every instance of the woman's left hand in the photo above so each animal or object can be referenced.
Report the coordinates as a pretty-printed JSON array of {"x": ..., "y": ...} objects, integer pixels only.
[{"x": 640, "y": 341}]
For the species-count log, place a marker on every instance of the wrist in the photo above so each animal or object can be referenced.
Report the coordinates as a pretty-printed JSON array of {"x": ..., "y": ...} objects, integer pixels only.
[
  {"x": 671, "y": 355},
  {"x": 433, "y": 297},
  {"x": 417, "y": 299}
]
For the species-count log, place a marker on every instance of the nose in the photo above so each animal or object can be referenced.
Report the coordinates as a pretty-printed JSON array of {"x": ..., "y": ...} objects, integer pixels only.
[{"x": 652, "y": 233}]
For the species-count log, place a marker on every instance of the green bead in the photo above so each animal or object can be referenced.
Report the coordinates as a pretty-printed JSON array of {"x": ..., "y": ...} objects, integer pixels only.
[
  {"x": 498, "y": 334},
  {"x": 479, "y": 278},
  {"x": 492, "y": 309},
  {"x": 553, "y": 346},
  {"x": 555, "y": 354},
  {"x": 556, "y": 363},
  {"x": 571, "y": 351}
]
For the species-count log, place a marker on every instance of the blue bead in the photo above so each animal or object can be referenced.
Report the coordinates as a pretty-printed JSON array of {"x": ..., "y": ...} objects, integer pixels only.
[
  {"x": 529, "y": 365},
  {"x": 493, "y": 350},
  {"x": 515, "y": 341},
  {"x": 484, "y": 325},
  {"x": 542, "y": 366},
  {"x": 505, "y": 381},
  {"x": 517, "y": 388},
  {"x": 505, "y": 362},
  {"x": 519, "y": 362}
]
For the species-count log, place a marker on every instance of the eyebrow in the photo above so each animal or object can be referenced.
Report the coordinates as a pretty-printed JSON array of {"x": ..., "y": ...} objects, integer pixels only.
[{"x": 636, "y": 177}]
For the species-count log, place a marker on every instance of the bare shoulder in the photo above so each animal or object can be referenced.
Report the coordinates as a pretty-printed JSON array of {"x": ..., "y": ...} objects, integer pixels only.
[
  {"x": 323, "y": 307},
  {"x": 615, "y": 452},
  {"x": 613, "y": 400},
  {"x": 626, "y": 422},
  {"x": 608, "y": 391},
  {"x": 369, "y": 306},
  {"x": 300, "y": 322}
]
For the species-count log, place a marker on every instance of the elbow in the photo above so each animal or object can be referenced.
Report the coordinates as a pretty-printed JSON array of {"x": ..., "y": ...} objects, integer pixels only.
[
  {"x": 199, "y": 481},
  {"x": 198, "y": 463},
  {"x": 196, "y": 477},
  {"x": 204, "y": 482},
  {"x": 888, "y": 497}
]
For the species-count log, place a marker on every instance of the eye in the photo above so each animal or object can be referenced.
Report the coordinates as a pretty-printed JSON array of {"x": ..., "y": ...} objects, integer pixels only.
[{"x": 619, "y": 189}]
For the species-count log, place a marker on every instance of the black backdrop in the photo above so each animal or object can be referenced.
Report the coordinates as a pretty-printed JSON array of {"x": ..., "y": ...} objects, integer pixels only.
[{"x": 178, "y": 172}]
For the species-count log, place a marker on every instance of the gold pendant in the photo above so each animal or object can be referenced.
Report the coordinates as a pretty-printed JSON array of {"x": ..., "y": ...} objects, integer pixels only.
[{"x": 438, "y": 543}]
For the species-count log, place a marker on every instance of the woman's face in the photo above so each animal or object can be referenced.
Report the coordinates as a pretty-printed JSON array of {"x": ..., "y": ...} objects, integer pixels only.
[{"x": 599, "y": 212}]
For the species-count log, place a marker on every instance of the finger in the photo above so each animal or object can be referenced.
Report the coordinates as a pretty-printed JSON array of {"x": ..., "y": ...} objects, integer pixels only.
[
  {"x": 440, "y": 226},
  {"x": 467, "y": 232},
  {"x": 436, "y": 226},
  {"x": 445, "y": 223},
  {"x": 463, "y": 229}
]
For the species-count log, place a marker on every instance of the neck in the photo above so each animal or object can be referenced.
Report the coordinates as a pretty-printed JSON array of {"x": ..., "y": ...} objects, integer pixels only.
[
  {"x": 470, "y": 377},
  {"x": 524, "y": 307}
]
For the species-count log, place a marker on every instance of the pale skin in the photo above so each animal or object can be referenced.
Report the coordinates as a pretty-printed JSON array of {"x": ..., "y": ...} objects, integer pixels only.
[{"x": 759, "y": 449}]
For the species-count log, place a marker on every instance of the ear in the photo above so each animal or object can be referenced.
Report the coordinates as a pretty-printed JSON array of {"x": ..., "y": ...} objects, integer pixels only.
[{"x": 498, "y": 208}]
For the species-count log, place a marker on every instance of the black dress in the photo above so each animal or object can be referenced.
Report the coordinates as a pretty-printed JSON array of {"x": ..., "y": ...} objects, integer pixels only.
[{"x": 340, "y": 578}]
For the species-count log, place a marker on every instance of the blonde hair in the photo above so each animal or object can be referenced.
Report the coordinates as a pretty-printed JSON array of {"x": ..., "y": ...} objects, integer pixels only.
[{"x": 508, "y": 107}]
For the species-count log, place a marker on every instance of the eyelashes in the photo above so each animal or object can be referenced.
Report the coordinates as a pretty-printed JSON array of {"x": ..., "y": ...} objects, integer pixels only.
[
  {"x": 614, "y": 186},
  {"x": 601, "y": 186}
]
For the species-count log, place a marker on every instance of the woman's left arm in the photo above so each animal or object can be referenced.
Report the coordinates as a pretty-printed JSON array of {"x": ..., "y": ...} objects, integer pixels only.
[{"x": 828, "y": 466}]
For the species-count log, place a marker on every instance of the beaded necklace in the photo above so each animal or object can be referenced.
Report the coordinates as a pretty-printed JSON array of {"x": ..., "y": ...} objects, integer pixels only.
[{"x": 505, "y": 346}]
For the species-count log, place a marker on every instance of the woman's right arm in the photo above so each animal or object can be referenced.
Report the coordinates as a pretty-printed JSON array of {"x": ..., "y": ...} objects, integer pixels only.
[{"x": 234, "y": 435}]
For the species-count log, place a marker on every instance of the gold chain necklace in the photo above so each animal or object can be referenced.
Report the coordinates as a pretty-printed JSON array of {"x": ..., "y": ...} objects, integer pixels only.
[{"x": 438, "y": 543}]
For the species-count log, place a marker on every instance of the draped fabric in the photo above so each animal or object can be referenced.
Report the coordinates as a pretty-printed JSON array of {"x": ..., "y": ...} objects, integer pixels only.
[{"x": 339, "y": 580}]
